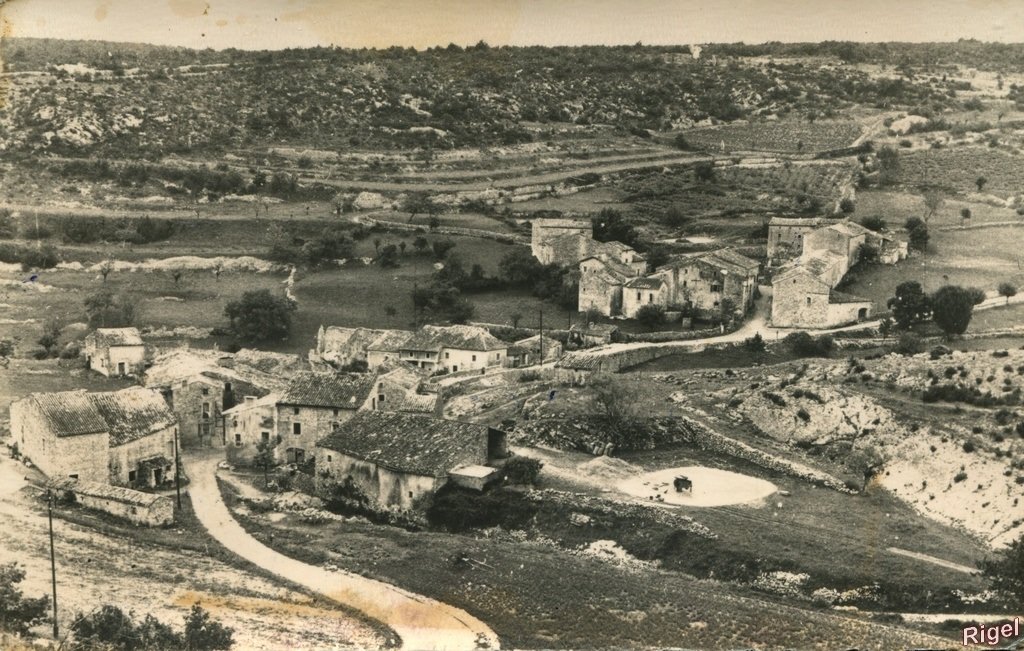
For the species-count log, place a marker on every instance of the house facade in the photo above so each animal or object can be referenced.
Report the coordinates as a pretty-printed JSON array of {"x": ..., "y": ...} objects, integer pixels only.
[
  {"x": 453, "y": 349},
  {"x": 393, "y": 460},
  {"x": 547, "y": 243},
  {"x": 115, "y": 351},
  {"x": 124, "y": 438},
  {"x": 643, "y": 291},
  {"x": 786, "y": 235},
  {"x": 316, "y": 404},
  {"x": 703, "y": 281}
]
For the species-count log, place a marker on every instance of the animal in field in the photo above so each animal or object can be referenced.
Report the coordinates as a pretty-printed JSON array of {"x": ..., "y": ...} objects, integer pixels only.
[{"x": 682, "y": 483}]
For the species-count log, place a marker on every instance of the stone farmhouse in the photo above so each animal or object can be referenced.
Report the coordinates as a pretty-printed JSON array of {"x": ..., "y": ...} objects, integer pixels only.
[
  {"x": 803, "y": 291},
  {"x": 700, "y": 282},
  {"x": 453, "y": 349},
  {"x": 533, "y": 350},
  {"x": 200, "y": 385},
  {"x": 124, "y": 438},
  {"x": 115, "y": 351},
  {"x": 786, "y": 235},
  {"x": 547, "y": 243},
  {"x": 135, "y": 506},
  {"x": 341, "y": 347},
  {"x": 392, "y": 460},
  {"x": 316, "y": 404}
]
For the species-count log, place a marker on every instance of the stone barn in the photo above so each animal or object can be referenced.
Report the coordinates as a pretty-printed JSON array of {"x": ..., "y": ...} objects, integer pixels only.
[
  {"x": 115, "y": 351},
  {"x": 135, "y": 506},
  {"x": 393, "y": 460},
  {"x": 124, "y": 438}
]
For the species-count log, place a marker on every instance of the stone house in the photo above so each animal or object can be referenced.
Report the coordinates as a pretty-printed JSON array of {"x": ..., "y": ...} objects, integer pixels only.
[
  {"x": 643, "y": 291},
  {"x": 802, "y": 299},
  {"x": 392, "y": 460},
  {"x": 845, "y": 238},
  {"x": 200, "y": 385},
  {"x": 115, "y": 351},
  {"x": 592, "y": 334},
  {"x": 702, "y": 281},
  {"x": 135, "y": 506},
  {"x": 535, "y": 350},
  {"x": 601, "y": 284},
  {"x": 453, "y": 348},
  {"x": 341, "y": 347},
  {"x": 386, "y": 348},
  {"x": 545, "y": 232},
  {"x": 249, "y": 423},
  {"x": 124, "y": 438},
  {"x": 315, "y": 404},
  {"x": 786, "y": 235}
]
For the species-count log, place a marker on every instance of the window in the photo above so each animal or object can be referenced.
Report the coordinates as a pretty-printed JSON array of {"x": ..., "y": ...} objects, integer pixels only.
[
  {"x": 410, "y": 494},
  {"x": 335, "y": 412},
  {"x": 238, "y": 440},
  {"x": 265, "y": 436},
  {"x": 295, "y": 411},
  {"x": 73, "y": 476},
  {"x": 684, "y": 283},
  {"x": 131, "y": 475},
  {"x": 650, "y": 298},
  {"x": 227, "y": 386},
  {"x": 296, "y": 428},
  {"x": 474, "y": 358},
  {"x": 808, "y": 300},
  {"x": 638, "y": 297},
  {"x": 447, "y": 355},
  {"x": 335, "y": 425},
  {"x": 330, "y": 458},
  {"x": 716, "y": 288},
  {"x": 205, "y": 391},
  {"x": 206, "y": 410},
  {"x": 234, "y": 422}
]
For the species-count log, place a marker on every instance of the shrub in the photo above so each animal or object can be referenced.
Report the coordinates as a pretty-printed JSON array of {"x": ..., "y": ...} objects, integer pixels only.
[
  {"x": 522, "y": 470},
  {"x": 804, "y": 345},
  {"x": 909, "y": 344},
  {"x": 959, "y": 477},
  {"x": 44, "y": 257},
  {"x": 18, "y": 613},
  {"x": 457, "y": 510},
  {"x": 969, "y": 446}
]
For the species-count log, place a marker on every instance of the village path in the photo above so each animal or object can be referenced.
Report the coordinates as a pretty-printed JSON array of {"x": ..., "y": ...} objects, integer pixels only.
[{"x": 420, "y": 622}]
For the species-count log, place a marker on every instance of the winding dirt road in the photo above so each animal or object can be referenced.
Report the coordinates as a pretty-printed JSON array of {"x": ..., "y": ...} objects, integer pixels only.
[{"x": 420, "y": 622}]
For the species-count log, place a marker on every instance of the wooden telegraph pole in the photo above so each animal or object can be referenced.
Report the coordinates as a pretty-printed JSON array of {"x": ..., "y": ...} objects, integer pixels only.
[
  {"x": 177, "y": 469},
  {"x": 541, "y": 338},
  {"x": 53, "y": 561}
]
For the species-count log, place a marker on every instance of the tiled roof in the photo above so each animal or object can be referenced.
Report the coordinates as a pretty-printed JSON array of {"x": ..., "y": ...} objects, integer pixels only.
[
  {"x": 797, "y": 221},
  {"x": 108, "y": 337},
  {"x": 69, "y": 413},
  {"x": 390, "y": 341},
  {"x": 731, "y": 258},
  {"x": 115, "y": 493},
  {"x": 409, "y": 443},
  {"x": 334, "y": 390},
  {"x": 132, "y": 413},
  {"x": 840, "y": 297},
  {"x": 128, "y": 415},
  {"x": 645, "y": 283},
  {"x": 349, "y": 339},
  {"x": 178, "y": 365},
  {"x": 461, "y": 337},
  {"x": 851, "y": 229},
  {"x": 613, "y": 271},
  {"x": 562, "y": 223}
]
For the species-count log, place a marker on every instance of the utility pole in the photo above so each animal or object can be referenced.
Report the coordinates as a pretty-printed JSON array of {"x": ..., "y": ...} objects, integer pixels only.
[
  {"x": 177, "y": 469},
  {"x": 53, "y": 561},
  {"x": 541, "y": 339}
]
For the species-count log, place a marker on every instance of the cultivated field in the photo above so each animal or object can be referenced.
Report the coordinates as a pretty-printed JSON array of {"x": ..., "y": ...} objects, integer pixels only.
[{"x": 785, "y": 135}]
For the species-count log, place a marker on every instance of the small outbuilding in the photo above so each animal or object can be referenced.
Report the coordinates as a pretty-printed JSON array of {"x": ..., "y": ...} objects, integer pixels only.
[
  {"x": 132, "y": 505},
  {"x": 115, "y": 351}
]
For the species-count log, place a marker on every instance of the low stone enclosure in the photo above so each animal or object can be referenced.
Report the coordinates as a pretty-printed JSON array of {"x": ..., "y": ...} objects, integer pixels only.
[{"x": 135, "y": 506}]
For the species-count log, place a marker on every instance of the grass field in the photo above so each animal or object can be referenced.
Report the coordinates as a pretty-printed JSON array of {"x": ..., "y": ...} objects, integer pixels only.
[
  {"x": 980, "y": 258},
  {"x": 896, "y": 207},
  {"x": 956, "y": 168}
]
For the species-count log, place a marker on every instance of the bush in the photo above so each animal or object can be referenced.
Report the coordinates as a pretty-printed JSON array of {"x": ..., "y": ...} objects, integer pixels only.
[
  {"x": 755, "y": 344},
  {"x": 457, "y": 510},
  {"x": 112, "y": 629},
  {"x": 44, "y": 257},
  {"x": 18, "y": 613},
  {"x": 804, "y": 345},
  {"x": 909, "y": 344},
  {"x": 260, "y": 316},
  {"x": 522, "y": 470}
]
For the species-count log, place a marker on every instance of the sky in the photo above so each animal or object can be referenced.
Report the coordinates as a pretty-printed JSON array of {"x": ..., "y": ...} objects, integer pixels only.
[{"x": 274, "y": 24}]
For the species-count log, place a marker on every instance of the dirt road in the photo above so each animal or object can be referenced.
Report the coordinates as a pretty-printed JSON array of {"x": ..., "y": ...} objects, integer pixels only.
[{"x": 420, "y": 622}]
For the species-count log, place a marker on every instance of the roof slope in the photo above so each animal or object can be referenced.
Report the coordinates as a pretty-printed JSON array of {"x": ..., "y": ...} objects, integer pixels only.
[
  {"x": 69, "y": 413},
  {"x": 390, "y": 341},
  {"x": 410, "y": 443},
  {"x": 645, "y": 283},
  {"x": 118, "y": 337},
  {"x": 132, "y": 413},
  {"x": 337, "y": 390},
  {"x": 462, "y": 337}
]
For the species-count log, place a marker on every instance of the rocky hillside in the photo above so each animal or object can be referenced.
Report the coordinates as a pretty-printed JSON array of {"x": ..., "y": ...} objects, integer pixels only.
[{"x": 70, "y": 99}]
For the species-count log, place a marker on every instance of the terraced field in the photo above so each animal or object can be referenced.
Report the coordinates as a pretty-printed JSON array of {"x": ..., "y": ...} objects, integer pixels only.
[{"x": 789, "y": 136}]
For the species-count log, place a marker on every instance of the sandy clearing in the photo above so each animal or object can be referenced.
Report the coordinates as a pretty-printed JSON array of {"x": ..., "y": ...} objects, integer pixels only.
[{"x": 711, "y": 487}]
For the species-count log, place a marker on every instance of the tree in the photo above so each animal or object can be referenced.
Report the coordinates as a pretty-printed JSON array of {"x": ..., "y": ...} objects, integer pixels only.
[
  {"x": 415, "y": 203},
  {"x": 105, "y": 268},
  {"x": 522, "y": 470},
  {"x": 917, "y": 234},
  {"x": 704, "y": 171},
  {"x": 264, "y": 458},
  {"x": 885, "y": 327},
  {"x": 515, "y": 317},
  {"x": 932, "y": 203},
  {"x": 105, "y": 310},
  {"x": 18, "y": 613},
  {"x": 873, "y": 223},
  {"x": 376, "y": 245},
  {"x": 388, "y": 257},
  {"x": 867, "y": 462},
  {"x": 610, "y": 226},
  {"x": 651, "y": 316},
  {"x": 909, "y": 344},
  {"x": 421, "y": 244},
  {"x": 1006, "y": 572},
  {"x": 980, "y": 182},
  {"x": 965, "y": 214},
  {"x": 729, "y": 309},
  {"x": 888, "y": 165},
  {"x": 433, "y": 223},
  {"x": 847, "y": 206},
  {"x": 910, "y": 305},
  {"x": 51, "y": 336},
  {"x": 442, "y": 247},
  {"x": 6, "y": 352},
  {"x": 205, "y": 634},
  {"x": 401, "y": 247},
  {"x": 755, "y": 344},
  {"x": 519, "y": 268},
  {"x": 176, "y": 275},
  {"x": 1008, "y": 290},
  {"x": 260, "y": 316},
  {"x": 952, "y": 308}
]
